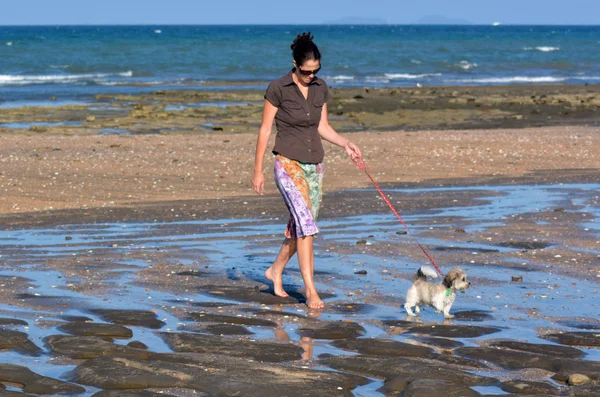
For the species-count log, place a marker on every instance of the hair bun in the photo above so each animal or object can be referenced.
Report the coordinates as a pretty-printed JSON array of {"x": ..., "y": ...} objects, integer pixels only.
[{"x": 305, "y": 37}]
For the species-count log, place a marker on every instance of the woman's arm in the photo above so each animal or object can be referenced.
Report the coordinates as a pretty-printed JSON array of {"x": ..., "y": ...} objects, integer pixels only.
[
  {"x": 264, "y": 133},
  {"x": 330, "y": 135}
]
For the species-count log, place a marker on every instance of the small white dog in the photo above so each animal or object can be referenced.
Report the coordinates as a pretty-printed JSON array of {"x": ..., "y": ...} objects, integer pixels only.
[{"x": 439, "y": 295}]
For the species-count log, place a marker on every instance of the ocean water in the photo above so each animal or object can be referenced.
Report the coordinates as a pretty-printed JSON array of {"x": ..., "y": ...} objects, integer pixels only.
[{"x": 75, "y": 62}]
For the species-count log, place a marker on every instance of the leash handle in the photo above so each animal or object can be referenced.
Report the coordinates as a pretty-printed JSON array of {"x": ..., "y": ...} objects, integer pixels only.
[{"x": 360, "y": 163}]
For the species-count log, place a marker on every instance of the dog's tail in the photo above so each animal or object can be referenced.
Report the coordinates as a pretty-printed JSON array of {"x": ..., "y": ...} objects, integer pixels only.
[{"x": 426, "y": 271}]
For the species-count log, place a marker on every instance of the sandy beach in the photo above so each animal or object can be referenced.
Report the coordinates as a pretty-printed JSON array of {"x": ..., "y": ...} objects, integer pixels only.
[{"x": 133, "y": 245}]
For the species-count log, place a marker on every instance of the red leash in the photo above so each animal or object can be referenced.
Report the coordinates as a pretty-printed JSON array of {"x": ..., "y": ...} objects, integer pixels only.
[{"x": 361, "y": 164}]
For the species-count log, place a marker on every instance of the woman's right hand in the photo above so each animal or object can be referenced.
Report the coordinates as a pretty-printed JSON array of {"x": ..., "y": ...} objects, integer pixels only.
[{"x": 258, "y": 182}]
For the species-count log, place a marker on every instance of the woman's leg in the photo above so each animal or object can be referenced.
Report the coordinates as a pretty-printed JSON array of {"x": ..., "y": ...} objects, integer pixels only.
[
  {"x": 287, "y": 251},
  {"x": 306, "y": 261}
]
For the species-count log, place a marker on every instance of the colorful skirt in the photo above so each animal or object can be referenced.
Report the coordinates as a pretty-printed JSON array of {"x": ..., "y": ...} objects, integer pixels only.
[{"x": 301, "y": 186}]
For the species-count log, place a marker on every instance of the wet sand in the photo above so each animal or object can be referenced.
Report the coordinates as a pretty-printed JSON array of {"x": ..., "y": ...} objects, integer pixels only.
[{"x": 133, "y": 265}]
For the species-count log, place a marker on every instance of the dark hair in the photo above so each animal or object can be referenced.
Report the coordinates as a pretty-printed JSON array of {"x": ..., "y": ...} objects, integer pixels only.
[{"x": 304, "y": 49}]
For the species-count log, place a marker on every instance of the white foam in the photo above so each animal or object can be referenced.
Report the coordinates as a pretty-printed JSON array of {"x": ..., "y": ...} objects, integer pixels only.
[
  {"x": 515, "y": 79},
  {"x": 158, "y": 31},
  {"x": 415, "y": 62},
  {"x": 466, "y": 65},
  {"x": 542, "y": 48},
  {"x": 9, "y": 43},
  {"x": 7, "y": 79},
  {"x": 399, "y": 76},
  {"x": 377, "y": 79},
  {"x": 340, "y": 78}
]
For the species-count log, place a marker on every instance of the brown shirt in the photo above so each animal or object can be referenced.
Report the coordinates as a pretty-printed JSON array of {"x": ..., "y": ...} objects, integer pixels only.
[{"x": 297, "y": 118}]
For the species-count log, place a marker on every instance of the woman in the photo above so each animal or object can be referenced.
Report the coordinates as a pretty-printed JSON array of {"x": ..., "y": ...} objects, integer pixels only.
[{"x": 298, "y": 104}]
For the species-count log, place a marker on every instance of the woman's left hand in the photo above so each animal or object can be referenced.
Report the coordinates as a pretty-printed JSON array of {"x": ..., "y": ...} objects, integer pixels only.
[{"x": 352, "y": 150}]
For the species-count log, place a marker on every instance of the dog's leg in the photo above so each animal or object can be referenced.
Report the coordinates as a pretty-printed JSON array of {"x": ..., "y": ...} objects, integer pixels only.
[
  {"x": 417, "y": 309},
  {"x": 408, "y": 310},
  {"x": 447, "y": 312}
]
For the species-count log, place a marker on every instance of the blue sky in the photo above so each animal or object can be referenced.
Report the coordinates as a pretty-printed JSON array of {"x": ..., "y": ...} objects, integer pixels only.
[{"x": 305, "y": 12}]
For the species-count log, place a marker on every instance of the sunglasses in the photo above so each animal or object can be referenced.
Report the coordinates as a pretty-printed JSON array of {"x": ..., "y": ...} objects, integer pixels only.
[{"x": 309, "y": 72}]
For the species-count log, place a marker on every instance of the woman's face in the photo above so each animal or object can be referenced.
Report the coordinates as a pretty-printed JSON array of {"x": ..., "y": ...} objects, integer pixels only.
[{"x": 306, "y": 72}]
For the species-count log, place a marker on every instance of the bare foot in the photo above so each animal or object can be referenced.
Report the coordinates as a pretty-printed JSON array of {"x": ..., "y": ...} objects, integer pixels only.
[
  {"x": 277, "y": 282},
  {"x": 314, "y": 302}
]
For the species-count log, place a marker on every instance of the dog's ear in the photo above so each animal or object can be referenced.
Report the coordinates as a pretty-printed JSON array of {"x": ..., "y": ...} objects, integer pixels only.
[{"x": 449, "y": 279}]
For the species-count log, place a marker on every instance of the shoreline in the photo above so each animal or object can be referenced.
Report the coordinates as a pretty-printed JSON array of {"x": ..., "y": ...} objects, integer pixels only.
[
  {"x": 169, "y": 146},
  {"x": 53, "y": 172}
]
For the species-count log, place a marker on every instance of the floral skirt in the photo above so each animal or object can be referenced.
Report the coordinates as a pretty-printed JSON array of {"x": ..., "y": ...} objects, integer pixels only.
[{"x": 301, "y": 186}]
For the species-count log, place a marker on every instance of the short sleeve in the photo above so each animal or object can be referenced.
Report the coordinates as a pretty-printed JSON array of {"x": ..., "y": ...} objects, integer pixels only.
[
  {"x": 273, "y": 94},
  {"x": 325, "y": 92}
]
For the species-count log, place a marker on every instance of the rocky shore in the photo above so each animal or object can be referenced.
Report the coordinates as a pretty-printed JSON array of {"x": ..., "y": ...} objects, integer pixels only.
[{"x": 132, "y": 248}]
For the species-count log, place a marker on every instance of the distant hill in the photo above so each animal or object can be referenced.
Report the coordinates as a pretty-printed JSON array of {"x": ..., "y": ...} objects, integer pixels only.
[
  {"x": 356, "y": 21},
  {"x": 442, "y": 20}
]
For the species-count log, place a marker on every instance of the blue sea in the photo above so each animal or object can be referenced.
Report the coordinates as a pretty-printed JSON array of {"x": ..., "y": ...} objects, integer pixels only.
[{"x": 74, "y": 63}]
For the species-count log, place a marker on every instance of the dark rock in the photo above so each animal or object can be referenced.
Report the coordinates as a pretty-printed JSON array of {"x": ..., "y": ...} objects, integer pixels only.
[
  {"x": 439, "y": 342},
  {"x": 580, "y": 325},
  {"x": 362, "y": 272},
  {"x": 351, "y": 307},
  {"x": 466, "y": 249},
  {"x": 210, "y": 344},
  {"x": 74, "y": 319},
  {"x": 12, "y": 322},
  {"x": 508, "y": 359},
  {"x": 361, "y": 242},
  {"x": 516, "y": 279},
  {"x": 460, "y": 230},
  {"x": 401, "y": 232},
  {"x": 212, "y": 304},
  {"x": 551, "y": 350},
  {"x": 564, "y": 368},
  {"x": 584, "y": 391},
  {"x": 383, "y": 347},
  {"x": 86, "y": 347},
  {"x": 130, "y": 317},
  {"x": 591, "y": 339},
  {"x": 402, "y": 324},
  {"x": 333, "y": 330},
  {"x": 437, "y": 387},
  {"x": 227, "y": 329},
  {"x": 446, "y": 330},
  {"x": 137, "y": 345},
  {"x": 525, "y": 245},
  {"x": 194, "y": 273},
  {"x": 473, "y": 315},
  {"x": 262, "y": 296},
  {"x": 395, "y": 385},
  {"x": 96, "y": 329},
  {"x": 19, "y": 342},
  {"x": 528, "y": 387},
  {"x": 462, "y": 361},
  {"x": 214, "y": 375},
  {"x": 219, "y": 318},
  {"x": 407, "y": 367},
  {"x": 512, "y": 359},
  {"x": 131, "y": 393},
  {"x": 275, "y": 313},
  {"x": 34, "y": 383}
]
